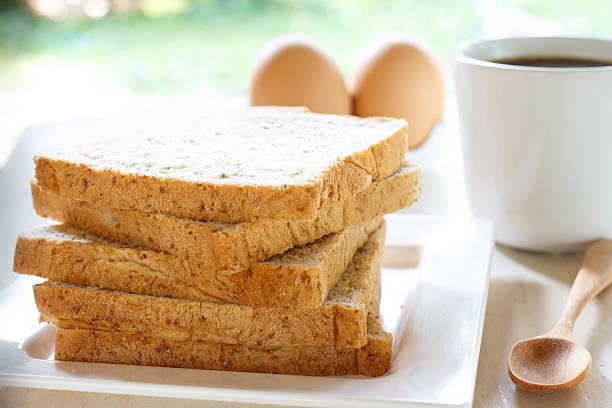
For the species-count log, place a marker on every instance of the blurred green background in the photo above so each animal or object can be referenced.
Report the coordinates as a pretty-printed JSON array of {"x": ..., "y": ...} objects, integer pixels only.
[
  {"x": 74, "y": 59},
  {"x": 174, "y": 47}
]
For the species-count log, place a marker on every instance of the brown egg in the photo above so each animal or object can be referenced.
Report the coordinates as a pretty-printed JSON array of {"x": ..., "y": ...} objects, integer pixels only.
[
  {"x": 294, "y": 71},
  {"x": 399, "y": 79}
]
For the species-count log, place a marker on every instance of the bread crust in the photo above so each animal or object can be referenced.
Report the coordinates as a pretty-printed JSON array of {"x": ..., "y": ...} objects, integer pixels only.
[
  {"x": 372, "y": 359},
  {"x": 231, "y": 203},
  {"x": 340, "y": 321},
  {"x": 230, "y": 248},
  {"x": 302, "y": 277}
]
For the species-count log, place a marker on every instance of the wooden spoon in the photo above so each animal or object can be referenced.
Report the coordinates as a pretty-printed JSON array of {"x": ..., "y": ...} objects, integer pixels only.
[{"x": 556, "y": 361}]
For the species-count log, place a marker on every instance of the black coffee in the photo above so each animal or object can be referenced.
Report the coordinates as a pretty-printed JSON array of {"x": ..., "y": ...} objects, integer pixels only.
[{"x": 554, "y": 62}]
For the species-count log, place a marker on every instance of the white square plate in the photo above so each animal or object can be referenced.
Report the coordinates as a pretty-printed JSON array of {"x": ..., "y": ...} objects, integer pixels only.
[{"x": 435, "y": 282}]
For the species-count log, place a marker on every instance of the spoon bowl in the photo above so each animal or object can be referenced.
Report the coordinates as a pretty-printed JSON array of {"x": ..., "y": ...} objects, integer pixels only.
[{"x": 547, "y": 364}]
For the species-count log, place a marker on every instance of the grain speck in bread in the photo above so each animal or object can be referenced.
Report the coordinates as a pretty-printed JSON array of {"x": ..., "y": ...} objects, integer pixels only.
[
  {"x": 372, "y": 359},
  {"x": 280, "y": 163},
  {"x": 341, "y": 320},
  {"x": 230, "y": 247},
  {"x": 301, "y": 277}
]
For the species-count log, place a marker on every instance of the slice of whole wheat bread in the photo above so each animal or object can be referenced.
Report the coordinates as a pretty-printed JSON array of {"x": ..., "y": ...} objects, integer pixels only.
[
  {"x": 372, "y": 359},
  {"x": 341, "y": 320},
  {"x": 268, "y": 162},
  {"x": 229, "y": 248},
  {"x": 301, "y": 277}
]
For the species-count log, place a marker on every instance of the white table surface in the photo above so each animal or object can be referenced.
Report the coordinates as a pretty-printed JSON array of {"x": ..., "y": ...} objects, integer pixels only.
[{"x": 526, "y": 296}]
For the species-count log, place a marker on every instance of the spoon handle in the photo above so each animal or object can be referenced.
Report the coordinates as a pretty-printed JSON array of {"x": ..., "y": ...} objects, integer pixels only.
[{"x": 594, "y": 276}]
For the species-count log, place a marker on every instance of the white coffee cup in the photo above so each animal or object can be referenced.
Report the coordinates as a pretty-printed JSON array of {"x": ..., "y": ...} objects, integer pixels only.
[{"x": 537, "y": 142}]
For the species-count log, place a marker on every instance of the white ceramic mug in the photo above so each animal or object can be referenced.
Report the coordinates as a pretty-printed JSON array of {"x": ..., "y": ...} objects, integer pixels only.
[{"x": 537, "y": 142}]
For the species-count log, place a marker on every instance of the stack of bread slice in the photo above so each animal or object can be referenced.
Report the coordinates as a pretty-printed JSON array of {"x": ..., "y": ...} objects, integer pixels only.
[{"x": 244, "y": 242}]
